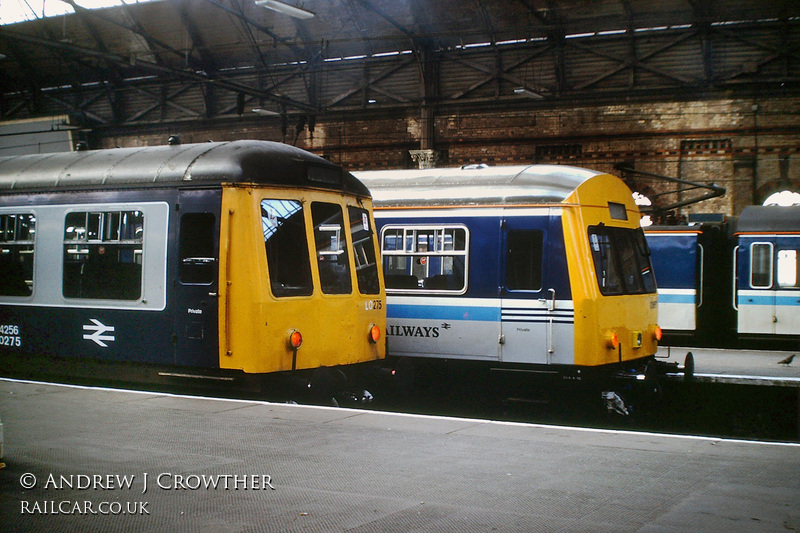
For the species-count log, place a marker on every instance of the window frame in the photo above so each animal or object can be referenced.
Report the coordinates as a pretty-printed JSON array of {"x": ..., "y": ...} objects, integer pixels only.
[
  {"x": 784, "y": 267},
  {"x": 620, "y": 268},
  {"x": 335, "y": 250},
  {"x": 410, "y": 249},
  {"x": 297, "y": 291},
  {"x": 771, "y": 267},
  {"x": 541, "y": 241},
  {"x": 98, "y": 234},
  {"x": 23, "y": 247},
  {"x": 367, "y": 276}
]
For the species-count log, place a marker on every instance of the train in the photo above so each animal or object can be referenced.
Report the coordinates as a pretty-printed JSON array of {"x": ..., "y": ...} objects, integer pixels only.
[
  {"x": 731, "y": 282},
  {"x": 217, "y": 260},
  {"x": 540, "y": 271}
]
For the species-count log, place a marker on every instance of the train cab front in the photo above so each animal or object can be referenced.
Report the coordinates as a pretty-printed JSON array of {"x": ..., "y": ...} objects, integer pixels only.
[
  {"x": 614, "y": 290},
  {"x": 306, "y": 314}
]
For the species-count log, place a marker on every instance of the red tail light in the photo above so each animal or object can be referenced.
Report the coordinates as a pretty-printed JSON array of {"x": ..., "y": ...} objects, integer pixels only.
[
  {"x": 374, "y": 333},
  {"x": 295, "y": 339},
  {"x": 612, "y": 341}
]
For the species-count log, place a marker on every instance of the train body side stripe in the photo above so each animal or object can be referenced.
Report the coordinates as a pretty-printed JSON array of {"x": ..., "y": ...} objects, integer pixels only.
[
  {"x": 441, "y": 312},
  {"x": 783, "y": 298},
  {"x": 475, "y": 309},
  {"x": 677, "y": 296}
]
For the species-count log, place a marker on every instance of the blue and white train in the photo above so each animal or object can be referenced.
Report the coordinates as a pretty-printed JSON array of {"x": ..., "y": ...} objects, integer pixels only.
[
  {"x": 730, "y": 284},
  {"x": 537, "y": 269}
]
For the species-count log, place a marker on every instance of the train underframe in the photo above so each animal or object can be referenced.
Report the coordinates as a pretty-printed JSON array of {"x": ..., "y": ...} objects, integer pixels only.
[
  {"x": 619, "y": 389},
  {"x": 331, "y": 386}
]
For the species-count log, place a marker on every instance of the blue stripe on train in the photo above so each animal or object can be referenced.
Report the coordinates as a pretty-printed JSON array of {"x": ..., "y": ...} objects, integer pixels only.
[
  {"x": 768, "y": 299},
  {"x": 440, "y": 312}
]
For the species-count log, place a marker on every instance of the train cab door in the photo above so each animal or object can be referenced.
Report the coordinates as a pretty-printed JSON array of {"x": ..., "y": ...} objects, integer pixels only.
[
  {"x": 196, "y": 286},
  {"x": 530, "y": 296}
]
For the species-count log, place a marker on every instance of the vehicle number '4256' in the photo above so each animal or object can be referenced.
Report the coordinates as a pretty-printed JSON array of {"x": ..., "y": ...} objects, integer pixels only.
[{"x": 9, "y": 335}]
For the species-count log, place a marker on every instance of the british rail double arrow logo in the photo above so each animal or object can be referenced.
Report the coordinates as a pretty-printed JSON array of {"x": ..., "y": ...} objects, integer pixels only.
[{"x": 99, "y": 332}]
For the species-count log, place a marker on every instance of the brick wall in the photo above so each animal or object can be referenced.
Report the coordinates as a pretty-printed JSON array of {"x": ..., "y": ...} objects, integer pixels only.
[{"x": 750, "y": 148}]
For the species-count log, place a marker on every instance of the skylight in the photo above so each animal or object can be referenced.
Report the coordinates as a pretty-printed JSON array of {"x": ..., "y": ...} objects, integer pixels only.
[{"x": 12, "y": 11}]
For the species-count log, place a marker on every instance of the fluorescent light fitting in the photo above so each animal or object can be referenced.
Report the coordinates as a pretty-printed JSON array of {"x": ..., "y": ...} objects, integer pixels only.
[
  {"x": 265, "y": 112},
  {"x": 527, "y": 92},
  {"x": 286, "y": 9}
]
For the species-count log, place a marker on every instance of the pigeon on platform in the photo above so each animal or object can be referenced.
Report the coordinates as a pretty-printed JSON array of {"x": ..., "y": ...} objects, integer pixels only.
[{"x": 787, "y": 361}]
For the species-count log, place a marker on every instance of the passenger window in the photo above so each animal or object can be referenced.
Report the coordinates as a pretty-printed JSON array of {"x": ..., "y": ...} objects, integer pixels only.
[
  {"x": 788, "y": 269},
  {"x": 332, "y": 258},
  {"x": 103, "y": 255},
  {"x": 524, "y": 265},
  {"x": 284, "y": 228},
  {"x": 761, "y": 265},
  {"x": 361, "y": 233},
  {"x": 17, "y": 232},
  {"x": 196, "y": 249},
  {"x": 432, "y": 258}
]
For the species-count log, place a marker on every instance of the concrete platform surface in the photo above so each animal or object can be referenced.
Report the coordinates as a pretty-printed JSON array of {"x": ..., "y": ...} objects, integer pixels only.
[
  {"x": 749, "y": 367},
  {"x": 82, "y": 459}
]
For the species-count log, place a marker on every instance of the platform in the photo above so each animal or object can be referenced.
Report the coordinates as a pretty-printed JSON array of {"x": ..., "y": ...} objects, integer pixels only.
[
  {"x": 147, "y": 462},
  {"x": 740, "y": 367}
]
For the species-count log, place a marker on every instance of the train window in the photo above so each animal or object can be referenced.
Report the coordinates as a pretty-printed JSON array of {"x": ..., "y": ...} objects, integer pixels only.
[
  {"x": 364, "y": 251},
  {"x": 284, "y": 228},
  {"x": 524, "y": 266},
  {"x": 425, "y": 258},
  {"x": 17, "y": 233},
  {"x": 621, "y": 260},
  {"x": 788, "y": 269},
  {"x": 196, "y": 249},
  {"x": 761, "y": 265},
  {"x": 332, "y": 259},
  {"x": 103, "y": 255}
]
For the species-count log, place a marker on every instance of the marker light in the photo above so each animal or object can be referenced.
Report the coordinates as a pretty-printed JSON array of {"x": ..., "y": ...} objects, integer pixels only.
[
  {"x": 374, "y": 333},
  {"x": 657, "y": 334},
  {"x": 295, "y": 339},
  {"x": 612, "y": 341}
]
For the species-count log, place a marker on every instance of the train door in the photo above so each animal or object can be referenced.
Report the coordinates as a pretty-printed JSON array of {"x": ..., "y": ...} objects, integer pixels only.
[
  {"x": 532, "y": 301},
  {"x": 787, "y": 281},
  {"x": 755, "y": 299},
  {"x": 196, "y": 287}
]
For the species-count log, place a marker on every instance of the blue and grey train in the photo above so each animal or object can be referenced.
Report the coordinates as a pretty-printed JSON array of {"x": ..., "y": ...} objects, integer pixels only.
[
  {"x": 220, "y": 260},
  {"x": 730, "y": 284}
]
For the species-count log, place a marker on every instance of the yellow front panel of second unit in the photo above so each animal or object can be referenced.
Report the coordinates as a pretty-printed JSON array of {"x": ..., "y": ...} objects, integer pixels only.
[{"x": 255, "y": 325}]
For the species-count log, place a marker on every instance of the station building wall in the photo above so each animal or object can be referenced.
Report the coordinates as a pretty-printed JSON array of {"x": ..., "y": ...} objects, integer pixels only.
[{"x": 749, "y": 146}]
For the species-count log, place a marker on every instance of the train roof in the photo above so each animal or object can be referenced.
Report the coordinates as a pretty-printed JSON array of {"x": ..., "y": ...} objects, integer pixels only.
[
  {"x": 184, "y": 165},
  {"x": 474, "y": 185},
  {"x": 769, "y": 219}
]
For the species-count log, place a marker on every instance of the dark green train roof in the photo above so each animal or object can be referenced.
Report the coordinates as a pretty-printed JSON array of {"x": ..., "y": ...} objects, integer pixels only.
[{"x": 183, "y": 165}]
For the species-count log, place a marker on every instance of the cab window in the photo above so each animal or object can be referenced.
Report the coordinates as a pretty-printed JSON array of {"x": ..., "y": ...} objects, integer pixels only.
[
  {"x": 331, "y": 245},
  {"x": 621, "y": 260},
  {"x": 284, "y": 228},
  {"x": 362, "y": 235}
]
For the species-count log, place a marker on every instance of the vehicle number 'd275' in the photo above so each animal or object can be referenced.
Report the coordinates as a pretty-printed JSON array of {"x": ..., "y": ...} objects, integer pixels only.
[{"x": 9, "y": 336}]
